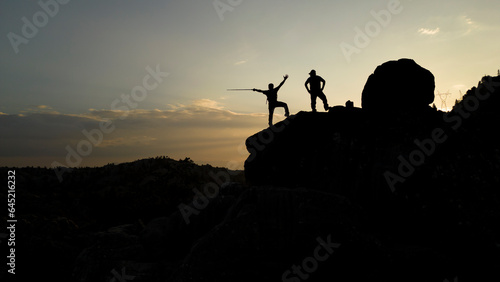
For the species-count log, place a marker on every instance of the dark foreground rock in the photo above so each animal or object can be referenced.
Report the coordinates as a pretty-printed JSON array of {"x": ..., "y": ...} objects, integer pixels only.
[
  {"x": 396, "y": 196},
  {"x": 269, "y": 230},
  {"x": 427, "y": 184}
]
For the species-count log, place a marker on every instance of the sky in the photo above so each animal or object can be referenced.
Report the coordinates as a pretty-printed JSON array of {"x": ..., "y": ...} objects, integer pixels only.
[{"x": 87, "y": 83}]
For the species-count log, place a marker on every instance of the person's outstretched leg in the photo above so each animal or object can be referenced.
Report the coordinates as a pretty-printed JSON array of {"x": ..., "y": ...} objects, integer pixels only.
[
  {"x": 284, "y": 105},
  {"x": 325, "y": 102},
  {"x": 287, "y": 112}
]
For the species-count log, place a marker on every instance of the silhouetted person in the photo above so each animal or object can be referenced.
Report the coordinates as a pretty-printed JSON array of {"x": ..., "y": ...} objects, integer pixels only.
[
  {"x": 315, "y": 88},
  {"x": 272, "y": 98}
]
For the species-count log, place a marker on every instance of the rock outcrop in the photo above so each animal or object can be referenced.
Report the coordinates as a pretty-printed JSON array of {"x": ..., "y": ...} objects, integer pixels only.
[
  {"x": 426, "y": 181},
  {"x": 400, "y": 85}
]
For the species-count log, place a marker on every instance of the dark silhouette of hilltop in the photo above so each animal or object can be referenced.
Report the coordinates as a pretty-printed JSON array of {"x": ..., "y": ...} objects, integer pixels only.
[
  {"x": 392, "y": 191},
  {"x": 60, "y": 224}
]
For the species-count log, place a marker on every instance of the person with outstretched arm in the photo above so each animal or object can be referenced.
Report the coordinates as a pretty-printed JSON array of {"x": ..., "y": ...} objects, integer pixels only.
[
  {"x": 272, "y": 98},
  {"x": 315, "y": 85}
]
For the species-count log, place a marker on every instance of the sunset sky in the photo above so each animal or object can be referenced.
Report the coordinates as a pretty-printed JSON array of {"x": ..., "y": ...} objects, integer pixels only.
[{"x": 67, "y": 68}]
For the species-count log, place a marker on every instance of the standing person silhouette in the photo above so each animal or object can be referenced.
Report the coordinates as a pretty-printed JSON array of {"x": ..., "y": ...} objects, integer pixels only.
[
  {"x": 315, "y": 88},
  {"x": 272, "y": 98}
]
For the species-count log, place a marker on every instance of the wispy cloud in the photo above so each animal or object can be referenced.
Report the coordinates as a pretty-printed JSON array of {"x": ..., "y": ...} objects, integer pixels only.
[
  {"x": 128, "y": 142},
  {"x": 202, "y": 130},
  {"x": 451, "y": 27},
  {"x": 207, "y": 103},
  {"x": 466, "y": 25},
  {"x": 39, "y": 109},
  {"x": 426, "y": 31},
  {"x": 240, "y": 62}
]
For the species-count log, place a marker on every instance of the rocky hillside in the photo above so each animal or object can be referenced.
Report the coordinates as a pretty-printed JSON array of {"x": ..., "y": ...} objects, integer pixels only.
[
  {"x": 387, "y": 192},
  {"x": 377, "y": 194},
  {"x": 59, "y": 221},
  {"x": 426, "y": 182}
]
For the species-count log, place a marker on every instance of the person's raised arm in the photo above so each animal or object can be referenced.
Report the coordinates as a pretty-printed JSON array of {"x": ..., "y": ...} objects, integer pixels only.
[
  {"x": 283, "y": 82},
  {"x": 258, "y": 90}
]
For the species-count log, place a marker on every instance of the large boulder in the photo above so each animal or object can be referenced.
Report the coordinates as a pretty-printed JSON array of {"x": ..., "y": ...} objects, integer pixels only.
[{"x": 400, "y": 85}]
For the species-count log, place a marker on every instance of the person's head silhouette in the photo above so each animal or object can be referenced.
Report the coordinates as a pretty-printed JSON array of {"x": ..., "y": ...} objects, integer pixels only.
[
  {"x": 271, "y": 86},
  {"x": 312, "y": 73}
]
